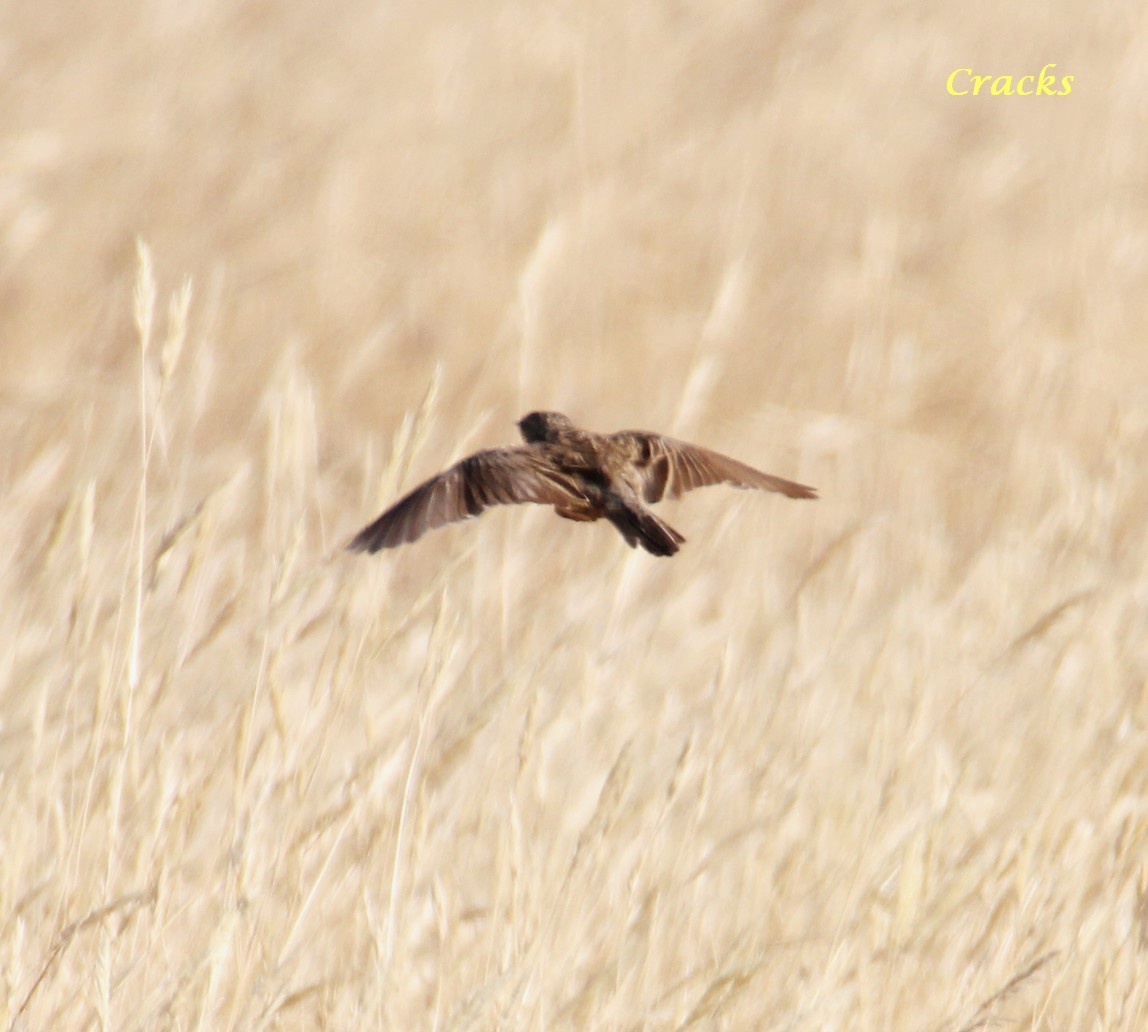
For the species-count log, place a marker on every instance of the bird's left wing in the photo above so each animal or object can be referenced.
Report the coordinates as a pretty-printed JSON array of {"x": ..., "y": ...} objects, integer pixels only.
[{"x": 502, "y": 476}]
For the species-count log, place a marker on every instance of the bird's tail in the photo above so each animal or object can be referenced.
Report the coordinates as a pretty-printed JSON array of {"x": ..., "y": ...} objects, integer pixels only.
[{"x": 642, "y": 527}]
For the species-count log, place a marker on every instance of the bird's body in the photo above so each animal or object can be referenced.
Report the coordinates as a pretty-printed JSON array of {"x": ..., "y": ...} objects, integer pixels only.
[{"x": 586, "y": 476}]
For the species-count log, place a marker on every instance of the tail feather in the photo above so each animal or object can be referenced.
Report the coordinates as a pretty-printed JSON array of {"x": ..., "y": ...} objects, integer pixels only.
[{"x": 642, "y": 527}]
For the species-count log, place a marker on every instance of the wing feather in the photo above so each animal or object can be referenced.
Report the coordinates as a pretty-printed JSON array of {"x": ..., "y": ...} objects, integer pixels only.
[
  {"x": 669, "y": 468},
  {"x": 502, "y": 476}
]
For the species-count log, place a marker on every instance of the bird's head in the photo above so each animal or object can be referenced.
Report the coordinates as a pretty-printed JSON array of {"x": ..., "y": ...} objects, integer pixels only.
[{"x": 543, "y": 427}]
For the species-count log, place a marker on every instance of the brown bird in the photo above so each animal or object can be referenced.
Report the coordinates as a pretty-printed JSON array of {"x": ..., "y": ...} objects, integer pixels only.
[{"x": 584, "y": 475}]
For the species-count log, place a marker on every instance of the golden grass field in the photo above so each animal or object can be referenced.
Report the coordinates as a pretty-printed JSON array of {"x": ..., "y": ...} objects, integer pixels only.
[{"x": 878, "y": 761}]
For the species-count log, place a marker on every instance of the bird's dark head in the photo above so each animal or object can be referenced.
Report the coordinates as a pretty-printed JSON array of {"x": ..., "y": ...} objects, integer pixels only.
[{"x": 543, "y": 427}]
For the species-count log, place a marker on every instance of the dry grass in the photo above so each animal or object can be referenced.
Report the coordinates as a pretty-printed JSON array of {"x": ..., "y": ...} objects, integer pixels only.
[{"x": 875, "y": 763}]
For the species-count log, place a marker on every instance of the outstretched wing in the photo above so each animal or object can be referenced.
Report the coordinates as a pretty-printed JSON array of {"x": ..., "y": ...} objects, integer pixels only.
[
  {"x": 669, "y": 468},
  {"x": 502, "y": 476}
]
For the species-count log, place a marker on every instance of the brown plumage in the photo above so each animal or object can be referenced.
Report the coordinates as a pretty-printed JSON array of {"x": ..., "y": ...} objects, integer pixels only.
[{"x": 584, "y": 475}]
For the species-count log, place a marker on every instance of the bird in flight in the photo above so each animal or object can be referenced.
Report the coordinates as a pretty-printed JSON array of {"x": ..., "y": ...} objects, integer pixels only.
[{"x": 584, "y": 475}]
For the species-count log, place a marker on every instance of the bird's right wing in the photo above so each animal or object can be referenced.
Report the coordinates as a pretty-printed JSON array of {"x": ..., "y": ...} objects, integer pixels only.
[
  {"x": 669, "y": 468},
  {"x": 502, "y": 476}
]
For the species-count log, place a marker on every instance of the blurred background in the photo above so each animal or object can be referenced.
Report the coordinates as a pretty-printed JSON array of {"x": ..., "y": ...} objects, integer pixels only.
[
  {"x": 907, "y": 722},
  {"x": 555, "y": 203}
]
